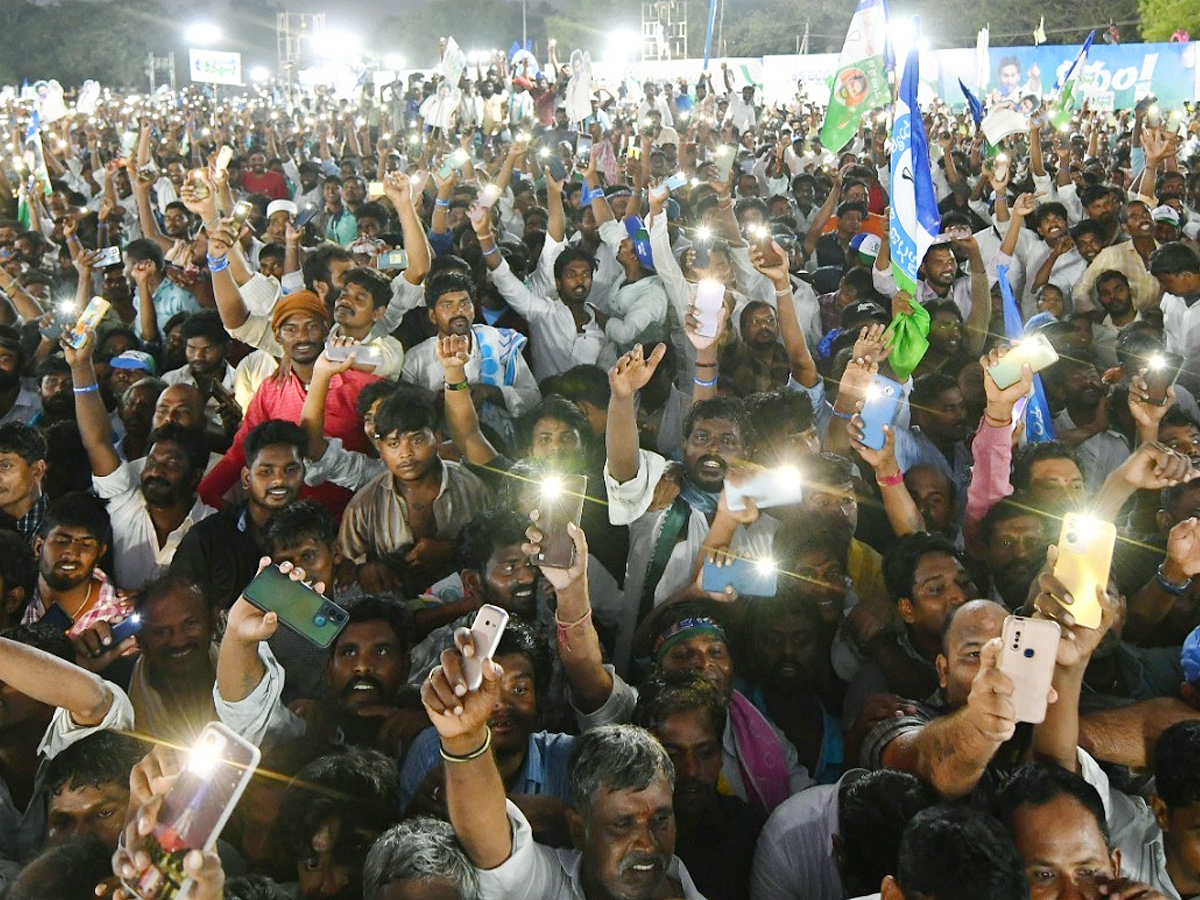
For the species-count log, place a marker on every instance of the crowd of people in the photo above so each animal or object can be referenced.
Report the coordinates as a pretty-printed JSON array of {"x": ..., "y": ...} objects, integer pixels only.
[{"x": 359, "y": 339}]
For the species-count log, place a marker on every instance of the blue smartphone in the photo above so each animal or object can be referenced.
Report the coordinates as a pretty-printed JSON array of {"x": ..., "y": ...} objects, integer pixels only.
[
  {"x": 749, "y": 577},
  {"x": 126, "y": 628},
  {"x": 306, "y": 216},
  {"x": 882, "y": 404}
]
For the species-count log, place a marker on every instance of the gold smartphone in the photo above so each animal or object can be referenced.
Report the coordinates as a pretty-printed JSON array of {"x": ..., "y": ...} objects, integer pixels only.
[{"x": 1085, "y": 551}]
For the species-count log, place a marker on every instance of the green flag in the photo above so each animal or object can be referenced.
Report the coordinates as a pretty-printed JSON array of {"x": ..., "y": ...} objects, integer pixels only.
[{"x": 860, "y": 83}]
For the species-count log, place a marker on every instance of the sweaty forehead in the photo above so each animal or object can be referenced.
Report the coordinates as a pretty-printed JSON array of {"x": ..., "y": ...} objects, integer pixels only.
[{"x": 975, "y": 623}]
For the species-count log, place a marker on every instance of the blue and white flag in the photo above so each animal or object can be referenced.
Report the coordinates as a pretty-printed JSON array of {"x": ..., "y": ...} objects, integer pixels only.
[
  {"x": 1038, "y": 424},
  {"x": 915, "y": 220},
  {"x": 1066, "y": 91}
]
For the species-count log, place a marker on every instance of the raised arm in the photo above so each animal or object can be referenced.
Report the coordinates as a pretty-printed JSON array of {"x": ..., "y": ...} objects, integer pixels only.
[
  {"x": 95, "y": 427},
  {"x": 453, "y": 352},
  {"x": 898, "y": 504},
  {"x": 631, "y": 373},
  {"x": 55, "y": 682},
  {"x": 398, "y": 188},
  {"x": 824, "y": 214},
  {"x": 980, "y": 317}
]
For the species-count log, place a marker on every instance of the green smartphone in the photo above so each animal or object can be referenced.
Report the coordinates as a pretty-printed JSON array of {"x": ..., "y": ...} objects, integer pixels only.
[{"x": 298, "y": 606}]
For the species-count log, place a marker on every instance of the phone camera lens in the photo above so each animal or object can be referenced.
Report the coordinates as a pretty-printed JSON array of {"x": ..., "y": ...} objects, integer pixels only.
[
  {"x": 320, "y": 620},
  {"x": 1029, "y": 653},
  {"x": 1071, "y": 537}
]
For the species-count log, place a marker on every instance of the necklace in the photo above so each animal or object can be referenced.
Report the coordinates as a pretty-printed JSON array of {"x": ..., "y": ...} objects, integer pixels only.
[{"x": 87, "y": 597}]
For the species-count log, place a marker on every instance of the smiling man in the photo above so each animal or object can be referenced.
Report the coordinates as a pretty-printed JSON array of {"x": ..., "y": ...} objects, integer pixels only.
[
  {"x": 22, "y": 467},
  {"x": 713, "y": 443},
  {"x": 619, "y": 812}
]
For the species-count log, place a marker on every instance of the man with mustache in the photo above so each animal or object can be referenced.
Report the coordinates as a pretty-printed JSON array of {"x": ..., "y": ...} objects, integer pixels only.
[
  {"x": 494, "y": 368},
  {"x": 619, "y": 812},
  {"x": 300, "y": 322},
  {"x": 366, "y": 672},
  {"x": 759, "y": 362},
  {"x": 664, "y": 542},
  {"x": 715, "y": 833},
  {"x": 1131, "y": 258},
  {"x": 151, "y": 512},
  {"x": 19, "y": 404}
]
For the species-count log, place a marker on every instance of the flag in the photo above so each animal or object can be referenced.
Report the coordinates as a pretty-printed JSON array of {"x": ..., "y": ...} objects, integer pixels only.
[
  {"x": 1065, "y": 87},
  {"x": 914, "y": 215},
  {"x": 983, "y": 63},
  {"x": 973, "y": 103},
  {"x": 860, "y": 83},
  {"x": 1038, "y": 421},
  {"x": 1039, "y": 33}
]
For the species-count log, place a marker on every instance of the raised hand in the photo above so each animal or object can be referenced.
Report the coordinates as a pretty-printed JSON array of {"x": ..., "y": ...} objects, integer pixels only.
[
  {"x": 455, "y": 711},
  {"x": 454, "y": 352},
  {"x": 634, "y": 370},
  {"x": 560, "y": 579}
]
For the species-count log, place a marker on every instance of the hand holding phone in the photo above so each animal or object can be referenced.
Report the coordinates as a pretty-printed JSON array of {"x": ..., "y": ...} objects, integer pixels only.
[
  {"x": 879, "y": 409},
  {"x": 1034, "y": 350},
  {"x": 1027, "y": 657},
  {"x": 297, "y": 605},
  {"x": 780, "y": 486},
  {"x": 486, "y": 631},
  {"x": 710, "y": 297},
  {"x": 1085, "y": 551},
  {"x": 749, "y": 577},
  {"x": 551, "y": 504}
]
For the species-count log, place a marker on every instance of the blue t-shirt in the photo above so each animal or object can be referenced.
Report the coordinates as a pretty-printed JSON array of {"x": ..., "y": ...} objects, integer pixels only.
[{"x": 545, "y": 770}]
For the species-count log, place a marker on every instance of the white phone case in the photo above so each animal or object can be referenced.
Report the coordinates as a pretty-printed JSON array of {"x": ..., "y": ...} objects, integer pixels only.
[
  {"x": 710, "y": 296},
  {"x": 1035, "y": 350},
  {"x": 1027, "y": 657},
  {"x": 780, "y": 486},
  {"x": 486, "y": 629}
]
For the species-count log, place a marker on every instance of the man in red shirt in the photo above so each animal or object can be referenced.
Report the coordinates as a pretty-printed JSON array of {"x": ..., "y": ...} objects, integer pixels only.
[
  {"x": 301, "y": 323},
  {"x": 258, "y": 179}
]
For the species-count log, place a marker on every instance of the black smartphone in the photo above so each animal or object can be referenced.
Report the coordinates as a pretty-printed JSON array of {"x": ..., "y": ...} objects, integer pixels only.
[{"x": 558, "y": 499}]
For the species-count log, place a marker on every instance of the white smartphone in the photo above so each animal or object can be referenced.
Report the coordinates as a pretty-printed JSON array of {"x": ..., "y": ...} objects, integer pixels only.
[
  {"x": 676, "y": 181},
  {"x": 1027, "y": 657},
  {"x": 109, "y": 256},
  {"x": 488, "y": 196},
  {"x": 364, "y": 354},
  {"x": 486, "y": 630},
  {"x": 1000, "y": 167},
  {"x": 724, "y": 162},
  {"x": 779, "y": 486},
  {"x": 710, "y": 297},
  {"x": 1085, "y": 551},
  {"x": 195, "y": 810},
  {"x": 224, "y": 157},
  {"x": 1035, "y": 350}
]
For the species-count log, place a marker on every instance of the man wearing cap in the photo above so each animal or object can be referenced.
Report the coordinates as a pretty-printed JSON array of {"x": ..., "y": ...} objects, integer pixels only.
[
  {"x": 128, "y": 369},
  {"x": 300, "y": 325},
  {"x": 280, "y": 214},
  {"x": 258, "y": 179},
  {"x": 1167, "y": 224}
]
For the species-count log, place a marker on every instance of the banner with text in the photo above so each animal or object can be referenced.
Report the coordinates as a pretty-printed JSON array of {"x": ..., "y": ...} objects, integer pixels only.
[{"x": 215, "y": 66}]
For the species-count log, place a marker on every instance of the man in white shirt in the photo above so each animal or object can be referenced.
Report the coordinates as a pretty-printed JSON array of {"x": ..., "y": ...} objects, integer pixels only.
[
  {"x": 1178, "y": 271},
  {"x": 496, "y": 371},
  {"x": 619, "y": 812},
  {"x": 150, "y": 512},
  {"x": 741, "y": 114},
  {"x": 654, "y": 103}
]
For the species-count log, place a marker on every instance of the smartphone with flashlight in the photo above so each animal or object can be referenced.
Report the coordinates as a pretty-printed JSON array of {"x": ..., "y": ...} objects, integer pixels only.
[
  {"x": 557, "y": 499},
  {"x": 710, "y": 297},
  {"x": 879, "y": 409},
  {"x": 241, "y": 212},
  {"x": 224, "y": 158},
  {"x": 126, "y": 628},
  {"x": 676, "y": 181},
  {"x": 1000, "y": 167},
  {"x": 1035, "y": 350},
  {"x": 486, "y": 630},
  {"x": 455, "y": 160},
  {"x": 557, "y": 170},
  {"x": 1027, "y": 657},
  {"x": 109, "y": 256},
  {"x": 763, "y": 239},
  {"x": 1161, "y": 371},
  {"x": 488, "y": 196},
  {"x": 195, "y": 810},
  {"x": 306, "y": 216},
  {"x": 780, "y": 486},
  {"x": 96, "y": 309},
  {"x": 364, "y": 354},
  {"x": 723, "y": 157},
  {"x": 749, "y": 577},
  {"x": 298, "y": 606},
  {"x": 375, "y": 190},
  {"x": 1085, "y": 551},
  {"x": 702, "y": 249}
]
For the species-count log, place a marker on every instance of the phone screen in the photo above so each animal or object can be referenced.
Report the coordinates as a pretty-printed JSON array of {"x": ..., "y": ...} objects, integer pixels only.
[
  {"x": 558, "y": 500},
  {"x": 217, "y": 770},
  {"x": 583, "y": 145}
]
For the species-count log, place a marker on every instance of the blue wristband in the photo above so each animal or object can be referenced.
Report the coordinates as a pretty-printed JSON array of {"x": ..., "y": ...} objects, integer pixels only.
[
  {"x": 218, "y": 263},
  {"x": 87, "y": 389}
]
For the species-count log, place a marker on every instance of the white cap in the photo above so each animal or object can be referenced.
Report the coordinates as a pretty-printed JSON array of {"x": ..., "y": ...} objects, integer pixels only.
[
  {"x": 667, "y": 135},
  {"x": 286, "y": 206}
]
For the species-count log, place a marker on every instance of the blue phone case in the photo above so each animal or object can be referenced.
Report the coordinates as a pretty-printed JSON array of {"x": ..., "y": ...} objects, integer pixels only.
[
  {"x": 879, "y": 410},
  {"x": 126, "y": 628},
  {"x": 744, "y": 575}
]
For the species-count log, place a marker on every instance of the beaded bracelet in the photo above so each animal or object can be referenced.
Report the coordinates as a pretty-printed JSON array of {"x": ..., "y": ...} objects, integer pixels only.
[
  {"x": 218, "y": 264},
  {"x": 705, "y": 384}
]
